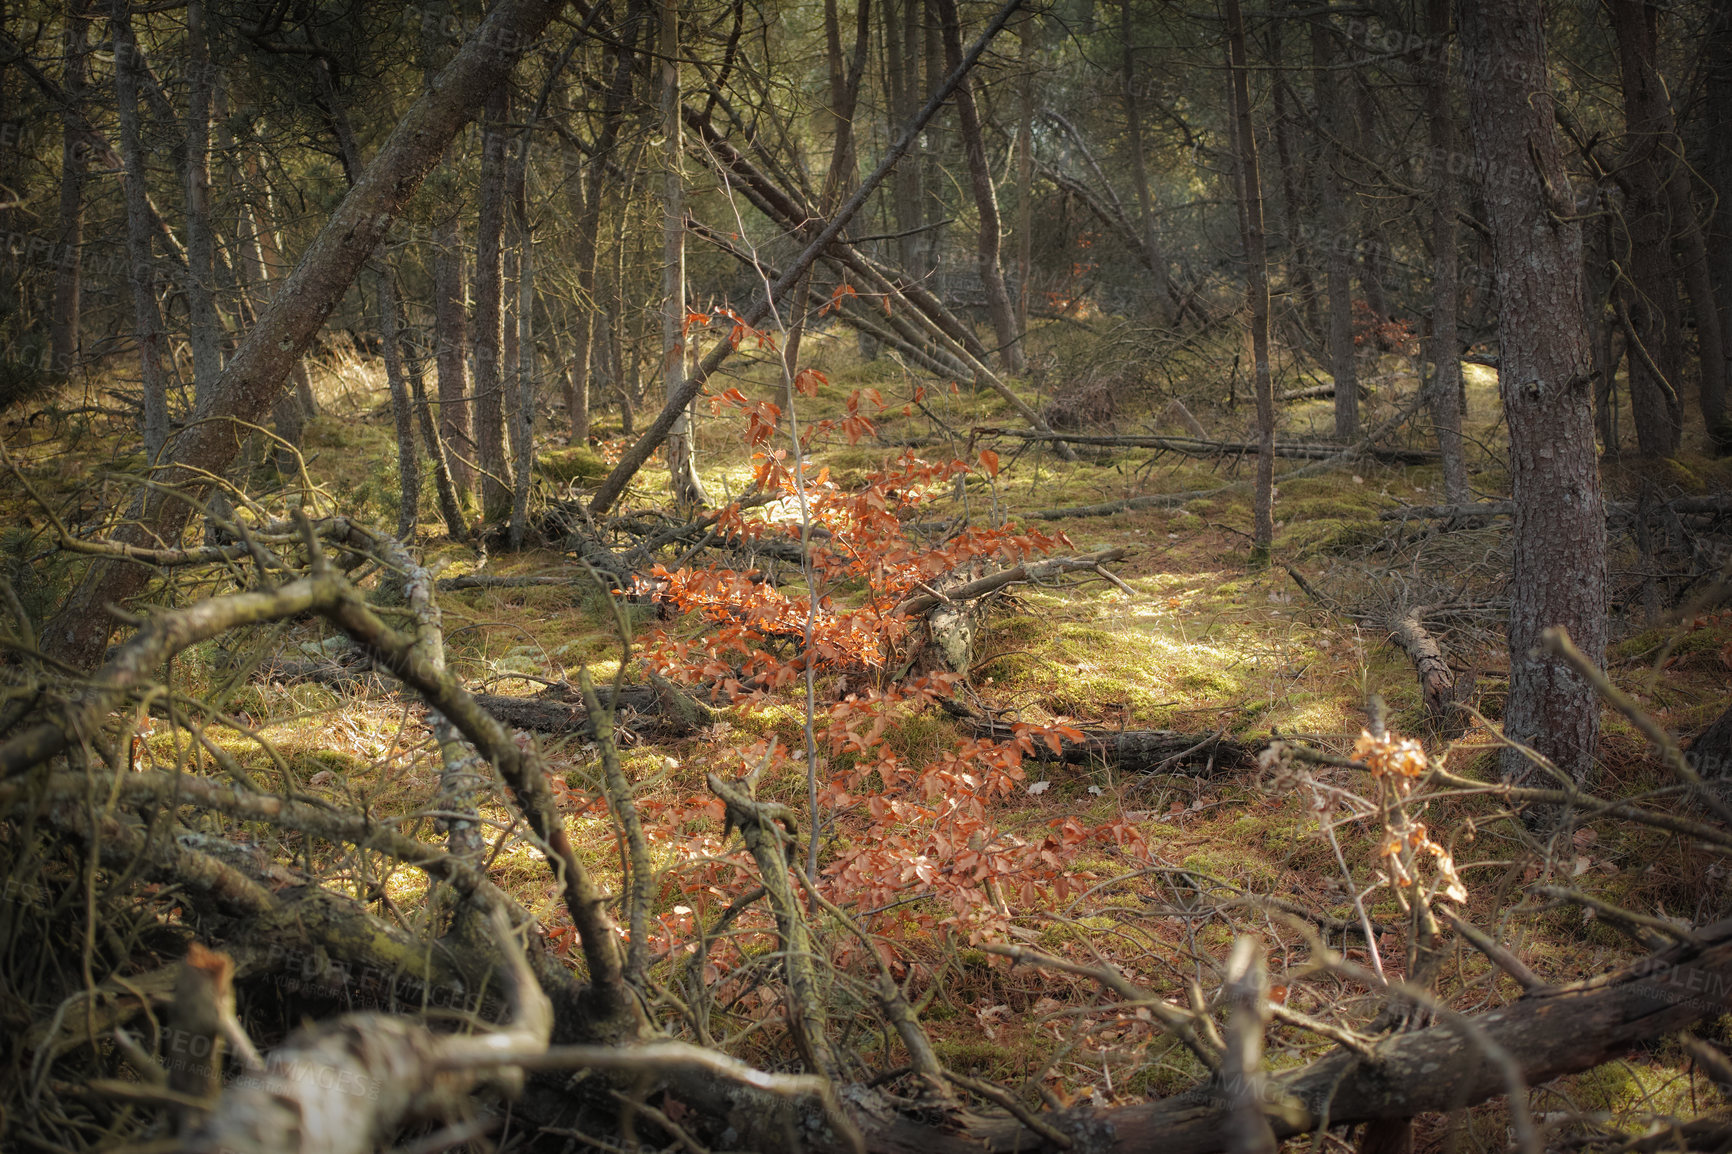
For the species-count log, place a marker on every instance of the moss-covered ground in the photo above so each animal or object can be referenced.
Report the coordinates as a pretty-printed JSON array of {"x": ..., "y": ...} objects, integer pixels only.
[{"x": 1203, "y": 640}]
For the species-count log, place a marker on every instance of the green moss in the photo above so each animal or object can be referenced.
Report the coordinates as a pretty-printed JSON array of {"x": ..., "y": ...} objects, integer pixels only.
[
  {"x": 577, "y": 463},
  {"x": 987, "y": 1058}
]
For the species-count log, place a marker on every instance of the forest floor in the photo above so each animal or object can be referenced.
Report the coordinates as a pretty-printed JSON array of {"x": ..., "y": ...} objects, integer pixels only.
[{"x": 1196, "y": 639}]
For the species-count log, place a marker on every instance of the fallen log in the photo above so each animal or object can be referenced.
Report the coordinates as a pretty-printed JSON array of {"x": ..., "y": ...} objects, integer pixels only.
[
  {"x": 661, "y": 708},
  {"x": 1436, "y": 679},
  {"x": 488, "y": 581},
  {"x": 1134, "y": 750},
  {"x": 666, "y": 710},
  {"x": 1167, "y": 500},
  {"x": 1709, "y": 505},
  {"x": 1459, "y": 1063},
  {"x": 1202, "y": 447},
  {"x": 992, "y": 582},
  {"x": 1312, "y": 393}
]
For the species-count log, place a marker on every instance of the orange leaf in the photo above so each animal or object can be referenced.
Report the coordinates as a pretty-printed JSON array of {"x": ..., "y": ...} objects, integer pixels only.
[{"x": 990, "y": 460}]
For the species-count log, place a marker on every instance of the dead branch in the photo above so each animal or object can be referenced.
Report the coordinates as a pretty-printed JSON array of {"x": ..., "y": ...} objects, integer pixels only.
[
  {"x": 1028, "y": 571},
  {"x": 773, "y": 847},
  {"x": 1557, "y": 640}
]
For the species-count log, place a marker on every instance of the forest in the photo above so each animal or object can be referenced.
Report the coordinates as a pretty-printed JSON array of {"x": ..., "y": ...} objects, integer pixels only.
[{"x": 871, "y": 576}]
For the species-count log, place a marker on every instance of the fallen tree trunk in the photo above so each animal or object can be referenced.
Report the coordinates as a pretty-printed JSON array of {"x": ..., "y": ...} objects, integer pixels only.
[
  {"x": 1167, "y": 500},
  {"x": 660, "y": 710},
  {"x": 1202, "y": 447},
  {"x": 1708, "y": 505},
  {"x": 1313, "y": 393},
  {"x": 1135, "y": 750},
  {"x": 992, "y": 582},
  {"x": 1466, "y": 1060},
  {"x": 1436, "y": 679}
]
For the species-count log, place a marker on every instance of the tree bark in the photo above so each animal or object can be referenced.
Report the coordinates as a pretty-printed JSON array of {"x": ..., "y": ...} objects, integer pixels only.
[
  {"x": 1717, "y": 97},
  {"x": 989, "y": 237},
  {"x": 408, "y": 463},
  {"x": 262, "y": 266},
  {"x": 682, "y": 452},
  {"x": 147, "y": 317},
  {"x": 204, "y": 329},
  {"x": 1558, "y": 566},
  {"x": 591, "y": 190},
  {"x": 683, "y": 481},
  {"x": 1155, "y": 259},
  {"x": 255, "y": 375},
  {"x": 488, "y": 333},
  {"x": 845, "y": 81},
  {"x": 1256, "y": 283},
  {"x": 1445, "y": 354},
  {"x": 1667, "y": 154},
  {"x": 74, "y": 151},
  {"x": 902, "y": 54},
  {"x": 451, "y": 335},
  {"x": 1649, "y": 286},
  {"x": 1293, "y": 200},
  {"x": 523, "y": 397},
  {"x": 1025, "y": 174},
  {"x": 1337, "y": 243},
  {"x": 449, "y": 508}
]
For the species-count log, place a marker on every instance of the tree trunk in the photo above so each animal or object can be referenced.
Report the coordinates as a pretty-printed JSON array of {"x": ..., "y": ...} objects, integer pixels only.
[
  {"x": 449, "y": 509},
  {"x": 204, "y": 330},
  {"x": 255, "y": 375},
  {"x": 1256, "y": 282},
  {"x": 1650, "y": 285},
  {"x": 451, "y": 335},
  {"x": 986, "y": 253},
  {"x": 625, "y": 367},
  {"x": 902, "y": 52},
  {"x": 74, "y": 151},
  {"x": 1558, "y": 567},
  {"x": 403, "y": 417},
  {"x": 1667, "y": 154},
  {"x": 1337, "y": 243},
  {"x": 293, "y": 409},
  {"x": 934, "y": 148},
  {"x": 1717, "y": 98},
  {"x": 1598, "y": 287},
  {"x": 488, "y": 333},
  {"x": 592, "y": 193},
  {"x": 682, "y": 455},
  {"x": 146, "y": 316},
  {"x": 846, "y": 77},
  {"x": 523, "y": 407},
  {"x": 1292, "y": 195},
  {"x": 1160, "y": 285},
  {"x": 1445, "y": 353},
  {"x": 1025, "y": 175}
]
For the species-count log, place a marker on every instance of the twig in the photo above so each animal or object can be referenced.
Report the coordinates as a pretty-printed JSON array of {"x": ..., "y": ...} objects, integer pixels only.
[
  {"x": 1506, "y": 961},
  {"x": 1008, "y": 1101},
  {"x": 1557, "y": 640}
]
